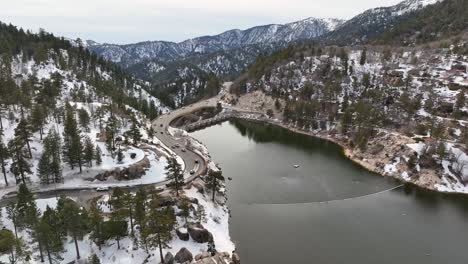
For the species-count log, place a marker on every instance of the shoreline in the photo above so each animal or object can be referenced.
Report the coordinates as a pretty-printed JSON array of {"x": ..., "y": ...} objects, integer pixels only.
[{"x": 353, "y": 156}]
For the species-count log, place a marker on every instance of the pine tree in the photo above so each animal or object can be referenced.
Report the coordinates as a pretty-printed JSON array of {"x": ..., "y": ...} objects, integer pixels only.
[
  {"x": 73, "y": 147},
  {"x": 74, "y": 219},
  {"x": 135, "y": 133},
  {"x": 12, "y": 214},
  {"x": 4, "y": 155},
  {"x": 49, "y": 232},
  {"x": 88, "y": 151},
  {"x": 114, "y": 229},
  {"x": 200, "y": 214},
  {"x": 140, "y": 215},
  {"x": 93, "y": 259},
  {"x": 161, "y": 222},
  {"x": 23, "y": 133},
  {"x": 120, "y": 156},
  {"x": 214, "y": 177},
  {"x": 43, "y": 168},
  {"x": 26, "y": 208},
  {"x": 175, "y": 175},
  {"x": 95, "y": 220},
  {"x": 184, "y": 206},
  {"x": 19, "y": 166},
  {"x": 9, "y": 245},
  {"x": 363, "y": 59},
  {"x": 84, "y": 119},
  {"x": 50, "y": 167},
  {"x": 38, "y": 117},
  {"x": 98, "y": 155},
  {"x": 111, "y": 131}
]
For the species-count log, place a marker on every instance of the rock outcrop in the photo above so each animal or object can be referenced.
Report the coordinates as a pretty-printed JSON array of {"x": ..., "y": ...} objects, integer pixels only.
[
  {"x": 135, "y": 171},
  {"x": 183, "y": 234},
  {"x": 183, "y": 256},
  {"x": 199, "y": 234},
  {"x": 169, "y": 258}
]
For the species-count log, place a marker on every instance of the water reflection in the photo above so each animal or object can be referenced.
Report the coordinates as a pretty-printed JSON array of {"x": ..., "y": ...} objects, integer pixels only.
[{"x": 330, "y": 210}]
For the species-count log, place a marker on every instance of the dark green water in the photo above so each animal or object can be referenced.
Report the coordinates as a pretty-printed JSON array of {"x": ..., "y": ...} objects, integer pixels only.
[{"x": 329, "y": 210}]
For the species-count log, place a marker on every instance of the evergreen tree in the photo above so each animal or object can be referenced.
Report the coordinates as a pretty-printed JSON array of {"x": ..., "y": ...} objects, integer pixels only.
[
  {"x": 200, "y": 214},
  {"x": 49, "y": 232},
  {"x": 74, "y": 220},
  {"x": 363, "y": 59},
  {"x": 88, "y": 151},
  {"x": 23, "y": 134},
  {"x": 459, "y": 104},
  {"x": 111, "y": 131},
  {"x": 73, "y": 147},
  {"x": 129, "y": 211},
  {"x": 95, "y": 221},
  {"x": 50, "y": 164},
  {"x": 9, "y": 245},
  {"x": 84, "y": 119},
  {"x": 214, "y": 179},
  {"x": 161, "y": 222},
  {"x": 184, "y": 206},
  {"x": 175, "y": 175},
  {"x": 12, "y": 214},
  {"x": 26, "y": 208},
  {"x": 98, "y": 155},
  {"x": 114, "y": 229},
  {"x": 19, "y": 166},
  {"x": 4, "y": 155},
  {"x": 135, "y": 132},
  {"x": 93, "y": 259},
  {"x": 38, "y": 118},
  {"x": 120, "y": 156},
  {"x": 140, "y": 215}
]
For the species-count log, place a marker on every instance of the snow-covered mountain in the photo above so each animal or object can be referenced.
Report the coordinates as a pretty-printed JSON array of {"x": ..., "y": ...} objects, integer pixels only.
[
  {"x": 166, "y": 51},
  {"x": 374, "y": 22}
]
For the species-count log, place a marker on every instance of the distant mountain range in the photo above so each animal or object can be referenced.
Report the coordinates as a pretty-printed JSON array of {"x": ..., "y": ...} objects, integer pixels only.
[
  {"x": 262, "y": 35},
  {"x": 179, "y": 70}
]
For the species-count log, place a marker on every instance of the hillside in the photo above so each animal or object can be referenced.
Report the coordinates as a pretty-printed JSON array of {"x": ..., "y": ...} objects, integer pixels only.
[
  {"x": 76, "y": 135},
  {"x": 423, "y": 26},
  {"x": 368, "y": 98},
  {"x": 374, "y": 22}
]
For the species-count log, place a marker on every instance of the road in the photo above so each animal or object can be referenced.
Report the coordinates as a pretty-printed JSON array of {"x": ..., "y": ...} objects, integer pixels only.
[{"x": 161, "y": 126}]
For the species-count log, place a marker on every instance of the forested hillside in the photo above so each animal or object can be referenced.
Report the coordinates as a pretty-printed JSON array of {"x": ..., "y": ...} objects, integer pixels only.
[
  {"x": 364, "y": 92},
  {"x": 436, "y": 22},
  {"x": 72, "y": 123}
]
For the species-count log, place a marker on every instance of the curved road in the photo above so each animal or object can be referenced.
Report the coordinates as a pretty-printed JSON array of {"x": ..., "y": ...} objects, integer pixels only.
[{"x": 161, "y": 126}]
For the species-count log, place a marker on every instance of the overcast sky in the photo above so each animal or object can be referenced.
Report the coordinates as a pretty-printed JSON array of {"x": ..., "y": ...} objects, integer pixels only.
[{"x": 129, "y": 21}]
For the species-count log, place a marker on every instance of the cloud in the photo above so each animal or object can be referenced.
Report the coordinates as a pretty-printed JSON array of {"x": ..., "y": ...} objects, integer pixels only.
[{"x": 125, "y": 21}]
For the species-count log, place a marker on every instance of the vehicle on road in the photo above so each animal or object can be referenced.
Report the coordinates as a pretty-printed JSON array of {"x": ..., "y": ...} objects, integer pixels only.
[
  {"x": 162, "y": 133},
  {"x": 196, "y": 161},
  {"x": 192, "y": 172},
  {"x": 102, "y": 189},
  {"x": 183, "y": 150}
]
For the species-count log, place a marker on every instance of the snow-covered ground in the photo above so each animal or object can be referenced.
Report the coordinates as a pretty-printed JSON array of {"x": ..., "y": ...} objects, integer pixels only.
[{"x": 217, "y": 222}]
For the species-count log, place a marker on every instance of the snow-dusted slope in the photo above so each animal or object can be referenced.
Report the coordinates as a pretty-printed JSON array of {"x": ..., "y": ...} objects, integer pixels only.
[
  {"x": 134, "y": 53},
  {"x": 374, "y": 21}
]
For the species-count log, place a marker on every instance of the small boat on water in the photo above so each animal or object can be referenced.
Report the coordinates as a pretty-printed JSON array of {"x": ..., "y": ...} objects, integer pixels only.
[{"x": 296, "y": 166}]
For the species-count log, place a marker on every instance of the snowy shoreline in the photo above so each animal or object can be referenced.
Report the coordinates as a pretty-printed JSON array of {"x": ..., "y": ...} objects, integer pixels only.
[{"x": 369, "y": 163}]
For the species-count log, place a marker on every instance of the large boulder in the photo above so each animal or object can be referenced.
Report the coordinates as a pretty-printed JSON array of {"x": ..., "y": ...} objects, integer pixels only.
[
  {"x": 183, "y": 256},
  {"x": 202, "y": 256},
  {"x": 235, "y": 258},
  {"x": 199, "y": 234},
  {"x": 183, "y": 234},
  {"x": 214, "y": 260},
  {"x": 169, "y": 258}
]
